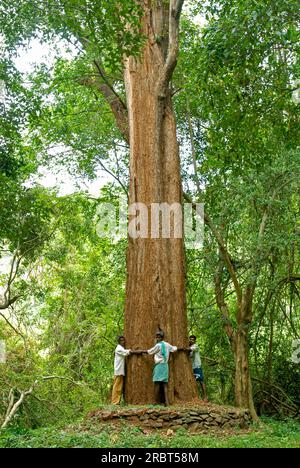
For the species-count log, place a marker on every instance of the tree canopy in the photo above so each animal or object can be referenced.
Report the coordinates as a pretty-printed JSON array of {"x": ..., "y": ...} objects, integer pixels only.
[{"x": 235, "y": 93}]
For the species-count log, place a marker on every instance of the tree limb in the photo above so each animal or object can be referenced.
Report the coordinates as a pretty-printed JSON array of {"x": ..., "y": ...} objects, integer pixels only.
[
  {"x": 173, "y": 49},
  {"x": 14, "y": 405},
  {"x": 116, "y": 104},
  {"x": 223, "y": 249},
  {"x": 114, "y": 176},
  {"x": 6, "y": 304},
  {"x": 14, "y": 268},
  {"x": 11, "y": 325},
  {"x": 222, "y": 305}
]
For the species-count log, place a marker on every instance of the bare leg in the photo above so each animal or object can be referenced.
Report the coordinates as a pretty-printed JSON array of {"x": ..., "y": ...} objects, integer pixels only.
[
  {"x": 157, "y": 392},
  {"x": 167, "y": 403},
  {"x": 203, "y": 386}
]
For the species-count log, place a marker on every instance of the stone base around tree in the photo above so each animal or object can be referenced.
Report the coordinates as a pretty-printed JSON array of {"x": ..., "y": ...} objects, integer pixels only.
[{"x": 193, "y": 418}]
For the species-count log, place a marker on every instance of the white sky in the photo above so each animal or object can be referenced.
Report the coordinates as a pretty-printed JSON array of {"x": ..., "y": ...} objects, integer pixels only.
[{"x": 36, "y": 54}]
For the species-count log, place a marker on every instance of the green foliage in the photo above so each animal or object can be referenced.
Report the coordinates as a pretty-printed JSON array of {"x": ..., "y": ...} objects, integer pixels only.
[
  {"x": 240, "y": 72},
  {"x": 273, "y": 435},
  {"x": 69, "y": 317},
  {"x": 74, "y": 124},
  {"x": 17, "y": 160},
  {"x": 109, "y": 29},
  {"x": 237, "y": 109},
  {"x": 236, "y": 78}
]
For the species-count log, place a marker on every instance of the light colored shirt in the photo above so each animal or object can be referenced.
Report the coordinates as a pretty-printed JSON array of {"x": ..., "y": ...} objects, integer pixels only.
[
  {"x": 119, "y": 364},
  {"x": 156, "y": 350},
  {"x": 195, "y": 356}
]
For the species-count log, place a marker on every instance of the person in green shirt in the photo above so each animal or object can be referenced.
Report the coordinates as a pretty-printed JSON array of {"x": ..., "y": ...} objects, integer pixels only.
[{"x": 160, "y": 377}]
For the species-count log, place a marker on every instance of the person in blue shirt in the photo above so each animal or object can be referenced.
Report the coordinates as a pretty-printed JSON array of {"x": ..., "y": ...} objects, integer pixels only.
[{"x": 196, "y": 364}]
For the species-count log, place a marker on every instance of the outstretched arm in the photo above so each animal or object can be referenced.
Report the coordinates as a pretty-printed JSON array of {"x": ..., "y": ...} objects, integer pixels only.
[
  {"x": 173, "y": 349},
  {"x": 123, "y": 352},
  {"x": 153, "y": 350}
]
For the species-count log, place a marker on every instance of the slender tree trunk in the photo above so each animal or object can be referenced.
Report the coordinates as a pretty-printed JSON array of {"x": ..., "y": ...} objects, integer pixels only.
[
  {"x": 238, "y": 338},
  {"x": 242, "y": 367},
  {"x": 155, "y": 291},
  {"x": 243, "y": 383}
]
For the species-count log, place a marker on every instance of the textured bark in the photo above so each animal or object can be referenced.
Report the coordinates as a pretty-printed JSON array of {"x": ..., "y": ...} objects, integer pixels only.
[
  {"x": 243, "y": 385},
  {"x": 242, "y": 368},
  {"x": 238, "y": 336},
  {"x": 155, "y": 291}
]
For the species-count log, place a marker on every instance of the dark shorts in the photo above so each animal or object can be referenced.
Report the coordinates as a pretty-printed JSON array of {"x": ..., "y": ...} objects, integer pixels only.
[{"x": 198, "y": 373}]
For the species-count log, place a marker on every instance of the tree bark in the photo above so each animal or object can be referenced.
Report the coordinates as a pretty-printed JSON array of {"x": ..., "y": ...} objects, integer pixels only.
[
  {"x": 242, "y": 367},
  {"x": 238, "y": 336},
  {"x": 243, "y": 384},
  {"x": 155, "y": 290}
]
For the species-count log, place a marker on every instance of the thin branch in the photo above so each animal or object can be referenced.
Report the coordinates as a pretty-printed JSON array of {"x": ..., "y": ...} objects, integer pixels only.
[
  {"x": 171, "y": 61},
  {"x": 9, "y": 302},
  {"x": 114, "y": 176},
  {"x": 193, "y": 148},
  {"x": 223, "y": 249},
  {"x": 11, "y": 325},
  {"x": 14, "y": 406},
  {"x": 222, "y": 305},
  {"x": 116, "y": 104},
  {"x": 106, "y": 81}
]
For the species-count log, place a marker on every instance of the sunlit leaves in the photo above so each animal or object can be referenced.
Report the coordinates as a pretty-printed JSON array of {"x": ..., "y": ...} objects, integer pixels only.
[{"x": 106, "y": 28}]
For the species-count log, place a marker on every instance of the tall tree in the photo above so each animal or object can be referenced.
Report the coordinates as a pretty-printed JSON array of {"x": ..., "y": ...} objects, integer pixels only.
[
  {"x": 155, "y": 267},
  {"x": 244, "y": 118},
  {"x": 109, "y": 35}
]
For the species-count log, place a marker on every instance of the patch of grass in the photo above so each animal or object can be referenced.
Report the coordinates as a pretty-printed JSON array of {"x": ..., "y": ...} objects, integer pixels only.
[{"x": 272, "y": 433}]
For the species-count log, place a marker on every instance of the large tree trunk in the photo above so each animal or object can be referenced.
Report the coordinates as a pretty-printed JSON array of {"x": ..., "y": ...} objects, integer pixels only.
[{"x": 155, "y": 291}]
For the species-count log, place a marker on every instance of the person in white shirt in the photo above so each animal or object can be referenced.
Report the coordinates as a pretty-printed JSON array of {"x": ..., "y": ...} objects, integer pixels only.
[
  {"x": 161, "y": 352},
  {"x": 119, "y": 370},
  {"x": 196, "y": 364}
]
